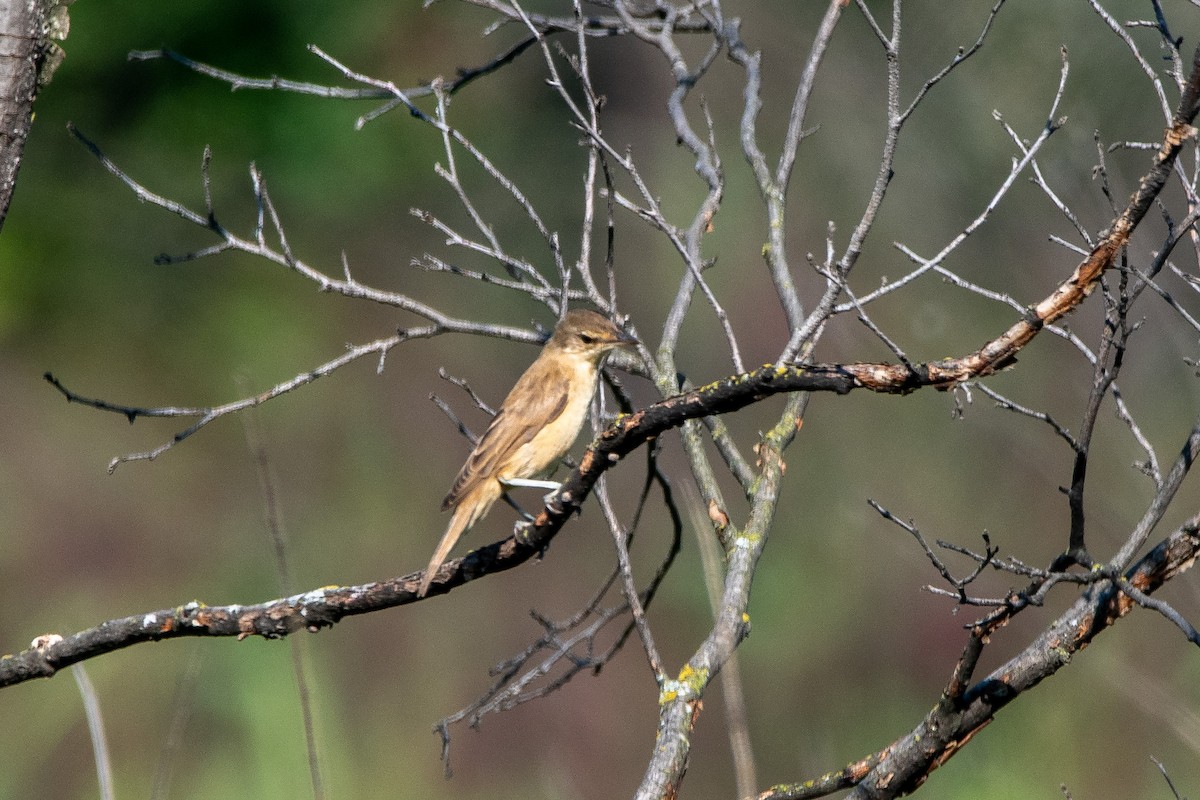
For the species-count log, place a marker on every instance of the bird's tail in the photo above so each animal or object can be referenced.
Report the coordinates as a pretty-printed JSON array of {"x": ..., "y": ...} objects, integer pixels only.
[{"x": 462, "y": 519}]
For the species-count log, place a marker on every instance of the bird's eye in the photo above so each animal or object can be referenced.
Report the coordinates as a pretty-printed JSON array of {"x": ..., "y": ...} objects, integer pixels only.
[{"x": 587, "y": 338}]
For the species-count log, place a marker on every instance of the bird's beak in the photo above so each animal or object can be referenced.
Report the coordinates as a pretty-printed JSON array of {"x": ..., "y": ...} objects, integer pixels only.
[{"x": 625, "y": 340}]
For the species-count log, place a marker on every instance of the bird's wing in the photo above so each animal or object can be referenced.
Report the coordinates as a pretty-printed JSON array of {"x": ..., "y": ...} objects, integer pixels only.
[{"x": 514, "y": 425}]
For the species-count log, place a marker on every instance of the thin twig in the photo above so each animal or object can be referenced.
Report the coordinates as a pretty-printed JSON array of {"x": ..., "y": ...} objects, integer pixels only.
[{"x": 206, "y": 415}]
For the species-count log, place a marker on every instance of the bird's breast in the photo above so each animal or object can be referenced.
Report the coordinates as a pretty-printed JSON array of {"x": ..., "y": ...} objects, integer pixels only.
[{"x": 555, "y": 438}]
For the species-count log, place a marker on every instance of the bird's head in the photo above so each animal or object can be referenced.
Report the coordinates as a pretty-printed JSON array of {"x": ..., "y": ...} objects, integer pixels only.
[{"x": 584, "y": 332}]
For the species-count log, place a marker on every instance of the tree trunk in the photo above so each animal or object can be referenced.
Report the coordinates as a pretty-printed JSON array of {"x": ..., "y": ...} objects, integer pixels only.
[{"x": 24, "y": 48}]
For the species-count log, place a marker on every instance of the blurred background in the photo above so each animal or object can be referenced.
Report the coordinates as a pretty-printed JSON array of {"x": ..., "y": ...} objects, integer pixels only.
[{"x": 848, "y": 650}]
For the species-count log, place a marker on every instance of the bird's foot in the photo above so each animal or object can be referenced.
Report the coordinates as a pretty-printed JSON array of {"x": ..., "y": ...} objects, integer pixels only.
[{"x": 529, "y": 483}]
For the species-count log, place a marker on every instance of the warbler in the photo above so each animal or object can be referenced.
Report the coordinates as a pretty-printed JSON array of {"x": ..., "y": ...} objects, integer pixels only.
[{"x": 536, "y": 424}]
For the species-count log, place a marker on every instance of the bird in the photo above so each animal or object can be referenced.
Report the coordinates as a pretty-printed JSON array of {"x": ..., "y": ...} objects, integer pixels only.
[{"x": 537, "y": 423}]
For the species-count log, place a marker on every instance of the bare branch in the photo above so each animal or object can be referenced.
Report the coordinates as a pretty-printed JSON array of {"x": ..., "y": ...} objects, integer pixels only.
[
  {"x": 958, "y": 584},
  {"x": 1146, "y": 601},
  {"x": 206, "y": 415},
  {"x": 1011, "y": 405},
  {"x": 1017, "y": 168},
  {"x": 966, "y": 708},
  {"x": 1162, "y": 499},
  {"x": 1149, "y": 71}
]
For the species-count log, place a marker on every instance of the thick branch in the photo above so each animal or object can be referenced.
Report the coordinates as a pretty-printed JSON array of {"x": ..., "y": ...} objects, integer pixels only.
[
  {"x": 951, "y": 724},
  {"x": 903, "y": 765}
]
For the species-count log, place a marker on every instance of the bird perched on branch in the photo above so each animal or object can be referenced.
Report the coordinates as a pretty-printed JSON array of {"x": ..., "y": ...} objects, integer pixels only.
[{"x": 535, "y": 426}]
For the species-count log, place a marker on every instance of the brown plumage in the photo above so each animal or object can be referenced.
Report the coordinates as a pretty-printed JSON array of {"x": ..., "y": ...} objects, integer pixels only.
[{"x": 535, "y": 426}]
